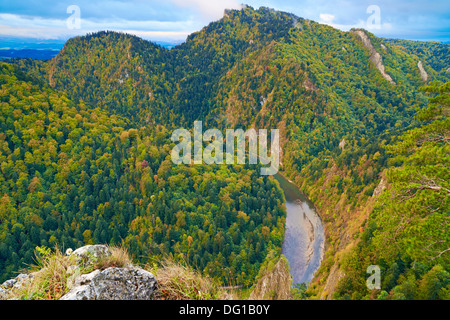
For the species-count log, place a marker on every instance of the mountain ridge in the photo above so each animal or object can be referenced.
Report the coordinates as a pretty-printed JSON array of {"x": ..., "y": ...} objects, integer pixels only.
[{"x": 268, "y": 69}]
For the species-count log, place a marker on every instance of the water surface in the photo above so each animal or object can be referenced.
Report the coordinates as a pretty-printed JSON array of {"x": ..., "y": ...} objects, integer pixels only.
[{"x": 303, "y": 244}]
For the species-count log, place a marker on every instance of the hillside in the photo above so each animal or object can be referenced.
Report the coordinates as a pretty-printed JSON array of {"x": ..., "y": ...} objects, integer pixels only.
[
  {"x": 73, "y": 175},
  {"x": 343, "y": 101}
]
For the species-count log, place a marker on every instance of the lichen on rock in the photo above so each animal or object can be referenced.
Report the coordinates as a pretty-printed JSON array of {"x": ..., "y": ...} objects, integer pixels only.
[{"x": 113, "y": 284}]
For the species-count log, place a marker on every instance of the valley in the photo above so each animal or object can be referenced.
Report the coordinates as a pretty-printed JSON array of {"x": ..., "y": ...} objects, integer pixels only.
[{"x": 85, "y": 145}]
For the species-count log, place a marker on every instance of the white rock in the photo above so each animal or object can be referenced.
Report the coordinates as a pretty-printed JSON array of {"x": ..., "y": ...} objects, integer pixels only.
[
  {"x": 91, "y": 253},
  {"x": 113, "y": 284}
]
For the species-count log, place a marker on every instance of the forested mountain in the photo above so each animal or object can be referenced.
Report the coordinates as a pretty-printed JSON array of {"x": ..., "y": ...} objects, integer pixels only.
[
  {"x": 345, "y": 104},
  {"x": 435, "y": 54},
  {"x": 74, "y": 175},
  {"x": 407, "y": 232}
]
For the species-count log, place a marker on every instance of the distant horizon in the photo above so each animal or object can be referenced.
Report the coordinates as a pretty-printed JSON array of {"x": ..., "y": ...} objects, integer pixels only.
[
  {"x": 53, "y": 24},
  {"x": 12, "y": 43}
]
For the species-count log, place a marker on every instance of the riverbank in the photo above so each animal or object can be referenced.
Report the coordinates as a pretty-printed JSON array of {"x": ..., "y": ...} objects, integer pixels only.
[{"x": 304, "y": 242}]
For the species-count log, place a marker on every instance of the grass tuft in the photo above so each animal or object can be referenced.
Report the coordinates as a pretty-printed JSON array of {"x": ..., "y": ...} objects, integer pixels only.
[
  {"x": 119, "y": 258},
  {"x": 55, "y": 272},
  {"x": 178, "y": 282}
]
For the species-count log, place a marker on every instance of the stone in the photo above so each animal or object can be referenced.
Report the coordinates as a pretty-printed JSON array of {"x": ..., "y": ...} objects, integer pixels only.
[
  {"x": 423, "y": 73},
  {"x": 113, "y": 284},
  {"x": 3, "y": 293},
  {"x": 381, "y": 186},
  {"x": 15, "y": 283},
  {"x": 90, "y": 253},
  {"x": 9, "y": 283}
]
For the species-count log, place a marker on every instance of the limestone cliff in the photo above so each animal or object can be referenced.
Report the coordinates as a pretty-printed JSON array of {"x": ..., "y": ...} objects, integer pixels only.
[
  {"x": 275, "y": 282},
  {"x": 375, "y": 57},
  {"x": 423, "y": 73}
]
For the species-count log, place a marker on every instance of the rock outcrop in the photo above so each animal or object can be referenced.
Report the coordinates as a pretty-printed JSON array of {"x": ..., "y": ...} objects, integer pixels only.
[
  {"x": 15, "y": 283},
  {"x": 90, "y": 253},
  {"x": 342, "y": 144},
  {"x": 381, "y": 186},
  {"x": 375, "y": 57},
  {"x": 274, "y": 284},
  {"x": 113, "y": 284},
  {"x": 423, "y": 73},
  {"x": 128, "y": 282},
  {"x": 333, "y": 279}
]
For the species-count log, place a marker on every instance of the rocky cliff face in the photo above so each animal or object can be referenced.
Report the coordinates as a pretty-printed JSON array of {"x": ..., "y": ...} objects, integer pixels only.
[
  {"x": 274, "y": 284},
  {"x": 423, "y": 73},
  {"x": 375, "y": 57}
]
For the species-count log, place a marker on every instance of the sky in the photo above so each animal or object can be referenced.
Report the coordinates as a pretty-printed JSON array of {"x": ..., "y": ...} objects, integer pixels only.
[{"x": 173, "y": 20}]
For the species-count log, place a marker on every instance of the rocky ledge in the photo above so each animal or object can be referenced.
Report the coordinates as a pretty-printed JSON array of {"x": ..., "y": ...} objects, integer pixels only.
[{"x": 113, "y": 283}]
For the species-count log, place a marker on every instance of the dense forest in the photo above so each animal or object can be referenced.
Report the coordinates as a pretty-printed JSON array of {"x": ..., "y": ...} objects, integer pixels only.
[
  {"x": 73, "y": 175},
  {"x": 407, "y": 232},
  {"x": 85, "y": 153}
]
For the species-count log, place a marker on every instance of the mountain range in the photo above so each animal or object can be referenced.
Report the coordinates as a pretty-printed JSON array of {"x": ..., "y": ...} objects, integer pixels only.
[{"x": 85, "y": 144}]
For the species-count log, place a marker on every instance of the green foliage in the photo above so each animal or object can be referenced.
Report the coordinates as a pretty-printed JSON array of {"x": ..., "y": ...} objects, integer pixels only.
[
  {"x": 89, "y": 163},
  {"x": 71, "y": 176},
  {"x": 299, "y": 291},
  {"x": 409, "y": 236},
  {"x": 435, "y": 54}
]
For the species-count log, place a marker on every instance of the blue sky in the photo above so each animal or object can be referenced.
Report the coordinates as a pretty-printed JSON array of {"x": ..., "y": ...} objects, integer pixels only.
[{"x": 173, "y": 20}]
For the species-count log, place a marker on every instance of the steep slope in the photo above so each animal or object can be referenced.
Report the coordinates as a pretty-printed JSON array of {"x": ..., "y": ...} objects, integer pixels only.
[
  {"x": 117, "y": 72},
  {"x": 407, "y": 233},
  {"x": 434, "y": 54},
  {"x": 72, "y": 175}
]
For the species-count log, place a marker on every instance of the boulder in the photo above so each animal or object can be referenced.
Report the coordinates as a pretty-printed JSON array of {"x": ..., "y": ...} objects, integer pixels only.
[
  {"x": 15, "y": 283},
  {"x": 90, "y": 254},
  {"x": 113, "y": 284}
]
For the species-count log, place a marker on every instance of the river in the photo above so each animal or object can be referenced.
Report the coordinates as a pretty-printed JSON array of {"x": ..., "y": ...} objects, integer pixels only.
[{"x": 303, "y": 244}]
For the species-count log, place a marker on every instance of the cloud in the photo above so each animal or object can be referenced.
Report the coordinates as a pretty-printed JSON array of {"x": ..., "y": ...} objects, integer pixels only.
[
  {"x": 326, "y": 18},
  {"x": 152, "y": 19},
  {"x": 209, "y": 9},
  {"x": 46, "y": 28},
  {"x": 412, "y": 19}
]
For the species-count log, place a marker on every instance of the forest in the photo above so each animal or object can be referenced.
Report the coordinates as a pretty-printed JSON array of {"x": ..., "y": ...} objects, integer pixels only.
[{"x": 73, "y": 175}]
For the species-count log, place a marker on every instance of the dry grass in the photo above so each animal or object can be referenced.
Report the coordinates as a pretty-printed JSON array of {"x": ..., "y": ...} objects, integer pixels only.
[
  {"x": 178, "y": 282},
  {"x": 119, "y": 258},
  {"x": 55, "y": 272},
  {"x": 49, "y": 278}
]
